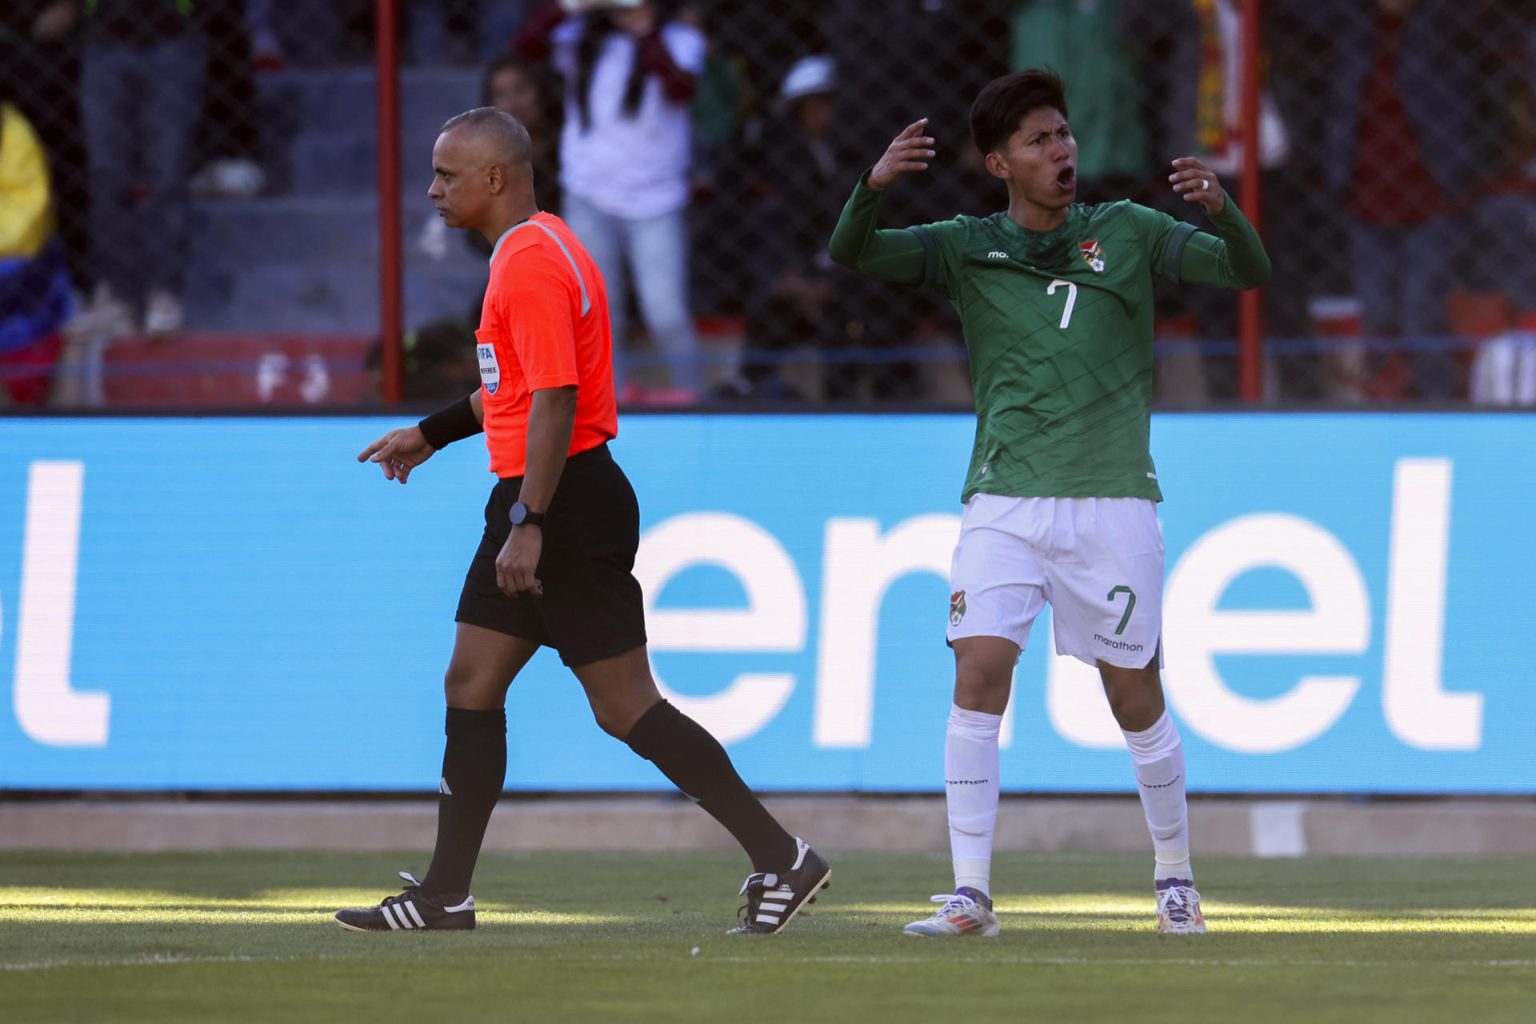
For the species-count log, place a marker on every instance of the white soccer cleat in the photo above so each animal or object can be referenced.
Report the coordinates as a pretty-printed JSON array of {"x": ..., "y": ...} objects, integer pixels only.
[
  {"x": 1178, "y": 908},
  {"x": 963, "y": 912}
]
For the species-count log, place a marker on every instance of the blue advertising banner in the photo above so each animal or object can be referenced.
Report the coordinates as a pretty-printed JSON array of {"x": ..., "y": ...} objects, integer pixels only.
[{"x": 211, "y": 603}]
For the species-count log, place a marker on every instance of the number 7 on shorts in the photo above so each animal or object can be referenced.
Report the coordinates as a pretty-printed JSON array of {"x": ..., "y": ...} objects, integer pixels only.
[{"x": 1130, "y": 605}]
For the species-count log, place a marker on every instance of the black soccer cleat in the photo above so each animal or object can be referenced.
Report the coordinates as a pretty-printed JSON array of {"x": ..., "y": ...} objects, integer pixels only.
[
  {"x": 412, "y": 910},
  {"x": 773, "y": 900}
]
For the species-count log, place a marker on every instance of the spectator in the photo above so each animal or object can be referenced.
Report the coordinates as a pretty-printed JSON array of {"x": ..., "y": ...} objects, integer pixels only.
[
  {"x": 1408, "y": 139},
  {"x": 142, "y": 76},
  {"x": 796, "y": 299},
  {"x": 1504, "y": 216},
  {"x": 227, "y": 140},
  {"x": 1194, "y": 56},
  {"x": 527, "y": 95},
  {"x": 800, "y": 296},
  {"x": 625, "y": 153},
  {"x": 34, "y": 281},
  {"x": 40, "y": 73},
  {"x": 958, "y": 46}
]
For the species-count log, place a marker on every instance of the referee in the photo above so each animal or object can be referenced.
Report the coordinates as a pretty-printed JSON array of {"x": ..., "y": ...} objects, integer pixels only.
[{"x": 561, "y": 529}]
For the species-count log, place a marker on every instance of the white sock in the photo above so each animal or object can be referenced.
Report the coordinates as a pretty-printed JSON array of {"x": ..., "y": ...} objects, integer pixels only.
[
  {"x": 970, "y": 791},
  {"x": 1158, "y": 759}
]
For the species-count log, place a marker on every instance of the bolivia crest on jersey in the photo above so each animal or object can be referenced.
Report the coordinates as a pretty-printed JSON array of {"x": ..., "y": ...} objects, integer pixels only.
[
  {"x": 490, "y": 369},
  {"x": 1092, "y": 255}
]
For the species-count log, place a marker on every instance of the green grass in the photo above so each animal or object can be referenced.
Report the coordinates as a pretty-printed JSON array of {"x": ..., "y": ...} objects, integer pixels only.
[{"x": 580, "y": 937}]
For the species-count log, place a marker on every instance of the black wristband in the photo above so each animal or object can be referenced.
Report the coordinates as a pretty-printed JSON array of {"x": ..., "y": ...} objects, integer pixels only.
[{"x": 450, "y": 424}]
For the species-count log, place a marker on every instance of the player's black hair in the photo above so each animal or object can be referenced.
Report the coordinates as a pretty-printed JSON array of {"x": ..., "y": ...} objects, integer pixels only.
[{"x": 1005, "y": 101}]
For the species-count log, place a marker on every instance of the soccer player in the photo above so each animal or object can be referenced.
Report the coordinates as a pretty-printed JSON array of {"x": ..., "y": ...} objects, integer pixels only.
[
  {"x": 1055, "y": 299},
  {"x": 561, "y": 529}
]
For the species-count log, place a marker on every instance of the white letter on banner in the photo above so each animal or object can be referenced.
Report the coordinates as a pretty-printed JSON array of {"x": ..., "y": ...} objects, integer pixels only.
[
  {"x": 1417, "y": 708},
  {"x": 774, "y": 619},
  {"x": 860, "y": 566},
  {"x": 1075, "y": 701},
  {"x": 48, "y": 710},
  {"x": 1337, "y": 623}
]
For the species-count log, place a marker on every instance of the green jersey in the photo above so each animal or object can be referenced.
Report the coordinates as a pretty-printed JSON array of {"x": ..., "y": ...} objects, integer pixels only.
[{"x": 1058, "y": 328}]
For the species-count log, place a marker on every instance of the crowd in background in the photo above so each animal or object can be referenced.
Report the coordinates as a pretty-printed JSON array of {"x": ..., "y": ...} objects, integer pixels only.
[{"x": 702, "y": 151}]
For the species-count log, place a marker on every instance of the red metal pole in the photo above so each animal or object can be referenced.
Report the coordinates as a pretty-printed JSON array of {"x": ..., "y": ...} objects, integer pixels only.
[
  {"x": 1251, "y": 303},
  {"x": 391, "y": 313}
]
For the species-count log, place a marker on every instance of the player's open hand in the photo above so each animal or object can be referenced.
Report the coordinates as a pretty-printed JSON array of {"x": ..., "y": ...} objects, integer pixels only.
[
  {"x": 518, "y": 560},
  {"x": 910, "y": 151},
  {"x": 1197, "y": 183},
  {"x": 398, "y": 452}
]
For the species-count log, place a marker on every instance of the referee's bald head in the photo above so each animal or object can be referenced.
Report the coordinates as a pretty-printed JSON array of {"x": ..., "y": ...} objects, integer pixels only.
[{"x": 505, "y": 139}]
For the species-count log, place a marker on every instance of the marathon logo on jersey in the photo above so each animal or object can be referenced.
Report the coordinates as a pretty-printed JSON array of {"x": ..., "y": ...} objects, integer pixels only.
[
  {"x": 1092, "y": 255},
  {"x": 1118, "y": 645},
  {"x": 956, "y": 607},
  {"x": 490, "y": 370}
]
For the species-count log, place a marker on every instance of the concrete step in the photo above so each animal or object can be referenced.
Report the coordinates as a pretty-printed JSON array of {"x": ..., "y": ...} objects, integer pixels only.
[
  {"x": 307, "y": 263},
  {"x": 322, "y": 125},
  {"x": 1220, "y": 825},
  {"x": 320, "y": 298}
]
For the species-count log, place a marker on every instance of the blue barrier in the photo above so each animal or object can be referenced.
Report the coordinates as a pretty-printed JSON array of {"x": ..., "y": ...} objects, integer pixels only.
[{"x": 235, "y": 604}]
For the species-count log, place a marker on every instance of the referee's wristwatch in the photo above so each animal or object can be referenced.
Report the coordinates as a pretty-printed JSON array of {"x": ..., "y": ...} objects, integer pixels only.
[{"x": 522, "y": 515}]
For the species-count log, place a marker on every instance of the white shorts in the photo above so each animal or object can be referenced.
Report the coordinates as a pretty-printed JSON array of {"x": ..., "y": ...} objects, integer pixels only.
[{"x": 1097, "y": 561}]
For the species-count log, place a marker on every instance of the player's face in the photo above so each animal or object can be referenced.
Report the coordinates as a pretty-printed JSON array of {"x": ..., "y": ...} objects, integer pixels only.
[
  {"x": 1039, "y": 161},
  {"x": 460, "y": 182}
]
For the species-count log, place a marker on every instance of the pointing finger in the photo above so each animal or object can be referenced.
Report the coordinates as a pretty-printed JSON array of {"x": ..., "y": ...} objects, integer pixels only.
[{"x": 367, "y": 453}]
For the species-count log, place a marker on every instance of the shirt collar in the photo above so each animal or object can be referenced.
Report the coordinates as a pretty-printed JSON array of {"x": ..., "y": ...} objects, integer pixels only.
[{"x": 497, "y": 247}]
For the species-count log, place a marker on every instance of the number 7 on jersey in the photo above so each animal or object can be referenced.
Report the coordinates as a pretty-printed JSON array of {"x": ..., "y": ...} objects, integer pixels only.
[{"x": 1066, "y": 314}]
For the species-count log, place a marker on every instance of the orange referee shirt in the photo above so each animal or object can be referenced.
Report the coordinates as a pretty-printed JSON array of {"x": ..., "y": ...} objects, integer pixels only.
[{"x": 544, "y": 324}]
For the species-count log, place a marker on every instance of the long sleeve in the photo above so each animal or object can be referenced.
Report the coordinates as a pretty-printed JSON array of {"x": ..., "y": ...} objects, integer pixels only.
[
  {"x": 1236, "y": 259},
  {"x": 532, "y": 42},
  {"x": 892, "y": 255},
  {"x": 677, "y": 84}
]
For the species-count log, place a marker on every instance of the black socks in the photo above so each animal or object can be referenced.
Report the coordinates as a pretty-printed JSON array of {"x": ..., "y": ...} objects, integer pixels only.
[
  {"x": 474, "y": 769},
  {"x": 696, "y": 763}
]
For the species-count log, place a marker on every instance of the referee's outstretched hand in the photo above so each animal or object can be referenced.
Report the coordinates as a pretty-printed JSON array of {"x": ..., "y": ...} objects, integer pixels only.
[{"x": 398, "y": 452}]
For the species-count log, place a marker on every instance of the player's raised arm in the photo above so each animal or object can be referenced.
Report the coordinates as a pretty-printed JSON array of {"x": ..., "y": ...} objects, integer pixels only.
[
  {"x": 892, "y": 255},
  {"x": 1234, "y": 260},
  {"x": 402, "y": 450}
]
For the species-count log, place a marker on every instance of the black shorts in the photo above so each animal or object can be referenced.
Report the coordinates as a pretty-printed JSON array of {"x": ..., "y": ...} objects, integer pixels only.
[{"x": 591, "y": 607}]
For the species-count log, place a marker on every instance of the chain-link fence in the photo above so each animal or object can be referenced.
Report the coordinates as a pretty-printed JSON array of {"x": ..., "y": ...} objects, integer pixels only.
[{"x": 191, "y": 198}]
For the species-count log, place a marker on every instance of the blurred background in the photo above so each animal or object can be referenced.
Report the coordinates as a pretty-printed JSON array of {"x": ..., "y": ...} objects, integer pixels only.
[{"x": 194, "y": 191}]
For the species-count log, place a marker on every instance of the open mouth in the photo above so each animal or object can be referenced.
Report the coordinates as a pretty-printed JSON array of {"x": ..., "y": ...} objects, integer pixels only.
[{"x": 1067, "y": 179}]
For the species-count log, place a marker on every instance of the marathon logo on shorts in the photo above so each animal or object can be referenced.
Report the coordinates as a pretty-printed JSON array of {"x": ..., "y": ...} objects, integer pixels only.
[
  {"x": 1117, "y": 645},
  {"x": 956, "y": 607},
  {"x": 1092, "y": 255},
  {"x": 490, "y": 370}
]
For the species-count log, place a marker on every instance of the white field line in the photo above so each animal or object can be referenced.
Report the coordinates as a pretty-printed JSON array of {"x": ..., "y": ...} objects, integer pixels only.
[
  {"x": 160, "y": 960},
  {"x": 153, "y": 960},
  {"x": 1066, "y": 961}
]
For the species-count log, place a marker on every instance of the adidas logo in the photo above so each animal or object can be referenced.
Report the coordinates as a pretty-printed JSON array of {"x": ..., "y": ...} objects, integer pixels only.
[{"x": 775, "y": 903}]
